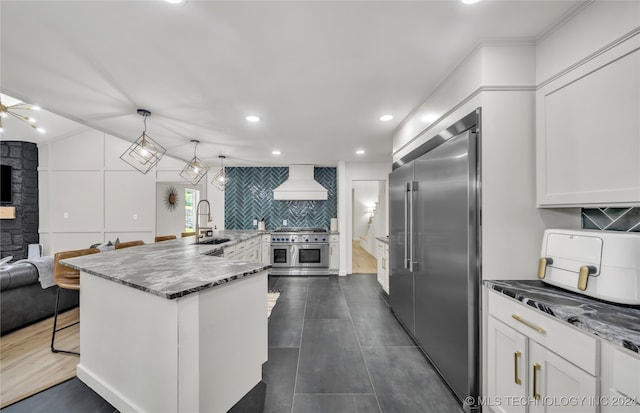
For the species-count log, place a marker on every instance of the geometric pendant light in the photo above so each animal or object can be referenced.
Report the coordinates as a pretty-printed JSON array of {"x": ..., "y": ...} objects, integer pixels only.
[
  {"x": 144, "y": 153},
  {"x": 220, "y": 181},
  {"x": 195, "y": 169}
]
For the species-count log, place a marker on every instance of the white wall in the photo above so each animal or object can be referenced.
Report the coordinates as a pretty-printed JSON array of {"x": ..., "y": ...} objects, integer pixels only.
[
  {"x": 88, "y": 195},
  {"x": 172, "y": 221},
  {"x": 595, "y": 28},
  {"x": 499, "y": 77}
]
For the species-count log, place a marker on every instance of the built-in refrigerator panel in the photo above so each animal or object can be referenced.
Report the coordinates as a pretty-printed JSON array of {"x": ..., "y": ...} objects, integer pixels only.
[
  {"x": 434, "y": 246},
  {"x": 444, "y": 201},
  {"x": 402, "y": 298}
]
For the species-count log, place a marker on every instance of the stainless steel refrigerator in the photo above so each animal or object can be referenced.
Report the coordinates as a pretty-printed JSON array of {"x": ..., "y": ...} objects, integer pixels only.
[{"x": 434, "y": 280}]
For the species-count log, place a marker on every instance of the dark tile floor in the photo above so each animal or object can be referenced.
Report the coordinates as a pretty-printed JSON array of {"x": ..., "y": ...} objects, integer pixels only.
[{"x": 334, "y": 347}]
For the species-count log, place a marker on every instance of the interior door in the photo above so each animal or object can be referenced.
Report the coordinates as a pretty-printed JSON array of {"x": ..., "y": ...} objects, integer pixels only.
[
  {"x": 445, "y": 285},
  {"x": 401, "y": 292}
]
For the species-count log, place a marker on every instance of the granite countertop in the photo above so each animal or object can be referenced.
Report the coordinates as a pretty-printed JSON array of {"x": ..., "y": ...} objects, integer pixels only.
[
  {"x": 383, "y": 239},
  {"x": 619, "y": 324},
  {"x": 170, "y": 269}
]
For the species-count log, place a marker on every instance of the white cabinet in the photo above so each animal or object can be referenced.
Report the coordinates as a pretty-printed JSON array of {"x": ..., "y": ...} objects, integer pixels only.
[
  {"x": 507, "y": 372},
  {"x": 382, "y": 254},
  {"x": 247, "y": 250},
  {"x": 588, "y": 132},
  {"x": 334, "y": 253},
  {"x": 620, "y": 380},
  {"x": 265, "y": 247},
  {"x": 536, "y": 364},
  {"x": 557, "y": 385}
]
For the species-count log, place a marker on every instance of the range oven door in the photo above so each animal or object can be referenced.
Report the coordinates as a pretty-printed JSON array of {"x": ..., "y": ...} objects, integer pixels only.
[
  {"x": 280, "y": 255},
  {"x": 310, "y": 256}
]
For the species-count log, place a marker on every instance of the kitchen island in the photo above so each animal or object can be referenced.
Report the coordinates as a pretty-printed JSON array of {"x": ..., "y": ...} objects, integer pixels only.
[{"x": 168, "y": 327}]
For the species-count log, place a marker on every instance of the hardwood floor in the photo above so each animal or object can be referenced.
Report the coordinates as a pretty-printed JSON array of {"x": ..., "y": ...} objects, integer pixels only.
[
  {"x": 363, "y": 262},
  {"x": 27, "y": 364}
]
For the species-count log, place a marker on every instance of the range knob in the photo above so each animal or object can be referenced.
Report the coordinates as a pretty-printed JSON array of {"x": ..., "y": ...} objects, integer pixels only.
[
  {"x": 324, "y": 239},
  {"x": 315, "y": 239},
  {"x": 273, "y": 239},
  {"x": 286, "y": 239}
]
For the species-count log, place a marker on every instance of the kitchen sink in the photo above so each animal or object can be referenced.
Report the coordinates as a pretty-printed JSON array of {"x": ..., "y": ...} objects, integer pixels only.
[{"x": 209, "y": 241}]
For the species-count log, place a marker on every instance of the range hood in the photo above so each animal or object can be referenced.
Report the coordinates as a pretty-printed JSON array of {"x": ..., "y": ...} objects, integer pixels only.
[{"x": 300, "y": 186}]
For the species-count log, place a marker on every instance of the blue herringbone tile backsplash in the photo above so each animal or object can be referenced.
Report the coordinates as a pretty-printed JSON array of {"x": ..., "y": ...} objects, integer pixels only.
[
  {"x": 249, "y": 195},
  {"x": 611, "y": 219}
]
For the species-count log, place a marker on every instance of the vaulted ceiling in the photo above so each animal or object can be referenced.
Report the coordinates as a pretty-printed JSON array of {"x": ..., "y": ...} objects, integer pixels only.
[{"x": 318, "y": 74}]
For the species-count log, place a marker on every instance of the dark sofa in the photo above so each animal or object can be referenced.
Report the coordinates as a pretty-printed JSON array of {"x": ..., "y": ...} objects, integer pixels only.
[{"x": 22, "y": 299}]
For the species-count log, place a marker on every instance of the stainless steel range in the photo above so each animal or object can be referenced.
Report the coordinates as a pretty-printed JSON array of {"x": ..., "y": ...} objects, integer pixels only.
[{"x": 299, "y": 251}]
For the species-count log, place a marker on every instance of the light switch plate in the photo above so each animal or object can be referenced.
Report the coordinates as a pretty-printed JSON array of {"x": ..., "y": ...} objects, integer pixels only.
[{"x": 284, "y": 222}]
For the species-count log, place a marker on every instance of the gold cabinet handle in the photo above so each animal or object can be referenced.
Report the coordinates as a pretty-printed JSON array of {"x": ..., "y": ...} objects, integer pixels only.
[
  {"x": 516, "y": 356},
  {"x": 583, "y": 276},
  {"x": 528, "y": 323},
  {"x": 536, "y": 369},
  {"x": 542, "y": 266}
]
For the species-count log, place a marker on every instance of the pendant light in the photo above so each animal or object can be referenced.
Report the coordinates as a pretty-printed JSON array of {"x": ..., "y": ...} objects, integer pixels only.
[
  {"x": 220, "y": 181},
  {"x": 144, "y": 153},
  {"x": 195, "y": 169}
]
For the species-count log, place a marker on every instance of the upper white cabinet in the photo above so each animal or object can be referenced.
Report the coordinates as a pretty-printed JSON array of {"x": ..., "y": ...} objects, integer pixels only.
[{"x": 588, "y": 132}]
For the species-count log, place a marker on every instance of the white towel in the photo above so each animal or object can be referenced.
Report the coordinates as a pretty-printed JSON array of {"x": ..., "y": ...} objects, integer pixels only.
[{"x": 44, "y": 265}]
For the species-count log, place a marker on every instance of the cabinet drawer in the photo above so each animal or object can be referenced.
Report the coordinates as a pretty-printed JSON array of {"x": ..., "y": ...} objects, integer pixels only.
[
  {"x": 241, "y": 246},
  {"x": 334, "y": 238},
  {"x": 230, "y": 251},
  {"x": 252, "y": 241},
  {"x": 561, "y": 338},
  {"x": 266, "y": 238},
  {"x": 625, "y": 376}
]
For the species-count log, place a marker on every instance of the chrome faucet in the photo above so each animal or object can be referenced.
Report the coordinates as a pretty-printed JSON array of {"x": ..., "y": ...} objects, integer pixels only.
[{"x": 198, "y": 214}]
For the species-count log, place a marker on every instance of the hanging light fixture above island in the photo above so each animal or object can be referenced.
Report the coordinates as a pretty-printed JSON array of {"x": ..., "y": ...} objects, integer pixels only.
[
  {"x": 195, "y": 169},
  {"x": 144, "y": 153}
]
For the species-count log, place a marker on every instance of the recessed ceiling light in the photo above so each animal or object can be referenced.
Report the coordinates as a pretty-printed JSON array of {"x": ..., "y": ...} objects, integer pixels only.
[
  {"x": 41, "y": 130},
  {"x": 360, "y": 152},
  {"x": 470, "y": 1},
  {"x": 35, "y": 108},
  {"x": 175, "y": 1},
  {"x": 253, "y": 118},
  {"x": 386, "y": 118},
  {"x": 276, "y": 152}
]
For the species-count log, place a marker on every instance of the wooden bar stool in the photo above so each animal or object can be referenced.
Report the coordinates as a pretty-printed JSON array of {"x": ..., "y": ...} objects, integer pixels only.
[
  {"x": 165, "y": 238},
  {"x": 129, "y": 244},
  {"x": 69, "y": 279},
  {"x": 188, "y": 234}
]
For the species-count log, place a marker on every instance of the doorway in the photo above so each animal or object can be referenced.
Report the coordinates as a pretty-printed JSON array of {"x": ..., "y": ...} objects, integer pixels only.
[{"x": 368, "y": 212}]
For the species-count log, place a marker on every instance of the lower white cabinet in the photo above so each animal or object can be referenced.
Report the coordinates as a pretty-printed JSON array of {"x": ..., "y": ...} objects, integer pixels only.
[
  {"x": 247, "y": 250},
  {"x": 334, "y": 253},
  {"x": 507, "y": 371},
  {"x": 620, "y": 380},
  {"x": 528, "y": 362},
  {"x": 382, "y": 254},
  {"x": 265, "y": 246}
]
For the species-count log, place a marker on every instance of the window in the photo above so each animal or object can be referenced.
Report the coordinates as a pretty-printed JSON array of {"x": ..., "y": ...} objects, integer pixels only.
[{"x": 191, "y": 198}]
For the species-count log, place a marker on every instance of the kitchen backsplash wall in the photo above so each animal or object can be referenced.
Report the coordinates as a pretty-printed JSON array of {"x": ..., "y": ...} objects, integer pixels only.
[
  {"x": 249, "y": 195},
  {"x": 611, "y": 219}
]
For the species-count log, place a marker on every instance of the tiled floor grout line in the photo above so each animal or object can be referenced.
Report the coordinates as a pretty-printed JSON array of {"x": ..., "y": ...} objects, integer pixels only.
[
  {"x": 366, "y": 366},
  {"x": 295, "y": 382}
]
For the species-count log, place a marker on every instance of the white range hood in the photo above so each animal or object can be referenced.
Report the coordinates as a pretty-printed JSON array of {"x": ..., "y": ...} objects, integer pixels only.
[{"x": 300, "y": 186}]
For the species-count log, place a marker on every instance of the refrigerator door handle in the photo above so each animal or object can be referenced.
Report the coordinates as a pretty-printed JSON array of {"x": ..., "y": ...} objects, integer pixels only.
[
  {"x": 411, "y": 189},
  {"x": 405, "y": 262}
]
